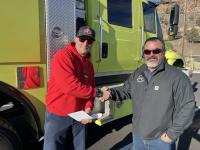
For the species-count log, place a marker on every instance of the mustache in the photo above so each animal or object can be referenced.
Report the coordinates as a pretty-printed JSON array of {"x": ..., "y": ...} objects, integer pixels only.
[{"x": 152, "y": 57}]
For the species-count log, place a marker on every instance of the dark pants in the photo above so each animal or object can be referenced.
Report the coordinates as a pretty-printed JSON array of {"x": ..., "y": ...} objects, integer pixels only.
[
  {"x": 57, "y": 129},
  {"x": 154, "y": 144}
]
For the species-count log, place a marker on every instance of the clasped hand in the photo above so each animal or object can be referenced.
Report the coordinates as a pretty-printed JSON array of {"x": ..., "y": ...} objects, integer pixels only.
[{"x": 106, "y": 94}]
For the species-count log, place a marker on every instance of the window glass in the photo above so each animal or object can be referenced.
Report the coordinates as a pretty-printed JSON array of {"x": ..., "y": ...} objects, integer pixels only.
[
  {"x": 120, "y": 12},
  {"x": 149, "y": 18},
  {"x": 159, "y": 28}
]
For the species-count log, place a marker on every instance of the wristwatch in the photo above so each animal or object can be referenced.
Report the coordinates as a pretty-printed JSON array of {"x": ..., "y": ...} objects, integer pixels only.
[{"x": 99, "y": 93}]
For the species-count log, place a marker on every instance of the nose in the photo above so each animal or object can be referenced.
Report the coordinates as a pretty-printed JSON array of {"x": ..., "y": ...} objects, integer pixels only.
[
  {"x": 151, "y": 54},
  {"x": 86, "y": 42}
]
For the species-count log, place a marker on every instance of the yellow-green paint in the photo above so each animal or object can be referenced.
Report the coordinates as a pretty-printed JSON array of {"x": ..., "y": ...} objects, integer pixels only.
[
  {"x": 22, "y": 43},
  {"x": 20, "y": 38},
  {"x": 98, "y": 122},
  {"x": 123, "y": 43},
  {"x": 172, "y": 56}
]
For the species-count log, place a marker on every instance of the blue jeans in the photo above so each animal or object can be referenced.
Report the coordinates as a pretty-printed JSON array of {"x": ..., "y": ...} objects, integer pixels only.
[
  {"x": 56, "y": 130},
  {"x": 154, "y": 144}
]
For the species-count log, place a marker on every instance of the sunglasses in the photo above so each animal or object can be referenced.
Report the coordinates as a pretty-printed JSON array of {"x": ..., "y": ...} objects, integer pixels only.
[
  {"x": 154, "y": 51},
  {"x": 89, "y": 41}
]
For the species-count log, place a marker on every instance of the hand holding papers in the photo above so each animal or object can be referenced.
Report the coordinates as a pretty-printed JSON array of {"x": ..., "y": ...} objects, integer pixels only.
[
  {"x": 96, "y": 116},
  {"x": 81, "y": 115}
]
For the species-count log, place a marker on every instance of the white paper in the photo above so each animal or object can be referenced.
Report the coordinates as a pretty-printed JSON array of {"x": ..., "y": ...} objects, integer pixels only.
[{"x": 79, "y": 115}]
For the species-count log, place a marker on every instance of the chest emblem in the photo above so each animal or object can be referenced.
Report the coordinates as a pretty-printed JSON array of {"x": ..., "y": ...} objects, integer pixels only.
[
  {"x": 156, "y": 88},
  {"x": 140, "y": 78}
]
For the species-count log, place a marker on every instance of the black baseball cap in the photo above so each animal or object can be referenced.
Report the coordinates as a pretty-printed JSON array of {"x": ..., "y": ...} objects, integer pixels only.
[{"x": 86, "y": 31}]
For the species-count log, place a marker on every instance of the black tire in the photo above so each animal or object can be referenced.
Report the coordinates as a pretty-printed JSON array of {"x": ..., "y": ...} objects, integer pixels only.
[
  {"x": 9, "y": 139},
  {"x": 178, "y": 63}
]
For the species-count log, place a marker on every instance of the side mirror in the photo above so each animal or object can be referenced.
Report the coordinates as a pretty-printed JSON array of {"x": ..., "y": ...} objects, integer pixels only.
[{"x": 173, "y": 21}]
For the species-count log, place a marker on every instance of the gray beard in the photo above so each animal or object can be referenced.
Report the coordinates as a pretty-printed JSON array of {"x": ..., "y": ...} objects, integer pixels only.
[
  {"x": 152, "y": 65},
  {"x": 84, "y": 53}
]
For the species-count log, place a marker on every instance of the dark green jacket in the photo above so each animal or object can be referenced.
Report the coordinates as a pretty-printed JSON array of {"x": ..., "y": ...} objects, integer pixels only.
[{"x": 165, "y": 104}]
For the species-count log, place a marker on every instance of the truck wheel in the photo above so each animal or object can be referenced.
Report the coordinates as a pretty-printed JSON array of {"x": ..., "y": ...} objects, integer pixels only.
[{"x": 9, "y": 139}]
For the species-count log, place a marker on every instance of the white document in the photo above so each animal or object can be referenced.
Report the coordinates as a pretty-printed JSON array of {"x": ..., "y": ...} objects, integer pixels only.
[{"x": 79, "y": 115}]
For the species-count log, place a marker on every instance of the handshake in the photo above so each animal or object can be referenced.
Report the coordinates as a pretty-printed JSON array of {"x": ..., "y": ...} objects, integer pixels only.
[{"x": 103, "y": 94}]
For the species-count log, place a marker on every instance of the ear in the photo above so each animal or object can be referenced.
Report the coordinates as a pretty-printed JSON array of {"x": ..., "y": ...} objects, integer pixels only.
[
  {"x": 143, "y": 51},
  {"x": 164, "y": 52},
  {"x": 142, "y": 54}
]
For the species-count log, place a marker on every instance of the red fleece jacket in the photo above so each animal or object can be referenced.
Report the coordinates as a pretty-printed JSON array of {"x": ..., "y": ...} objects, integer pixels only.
[{"x": 71, "y": 86}]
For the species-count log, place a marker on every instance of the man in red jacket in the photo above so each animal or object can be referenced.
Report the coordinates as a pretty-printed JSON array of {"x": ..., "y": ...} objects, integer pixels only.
[{"x": 71, "y": 88}]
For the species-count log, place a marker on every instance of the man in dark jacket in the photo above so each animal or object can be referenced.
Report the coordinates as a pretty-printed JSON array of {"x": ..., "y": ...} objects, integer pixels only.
[
  {"x": 71, "y": 88},
  {"x": 162, "y": 96}
]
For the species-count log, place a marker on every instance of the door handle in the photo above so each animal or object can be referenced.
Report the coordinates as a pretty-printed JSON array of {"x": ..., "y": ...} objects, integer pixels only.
[{"x": 104, "y": 50}]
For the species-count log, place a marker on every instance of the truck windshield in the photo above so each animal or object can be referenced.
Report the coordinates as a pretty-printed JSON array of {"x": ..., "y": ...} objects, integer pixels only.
[
  {"x": 159, "y": 28},
  {"x": 149, "y": 18}
]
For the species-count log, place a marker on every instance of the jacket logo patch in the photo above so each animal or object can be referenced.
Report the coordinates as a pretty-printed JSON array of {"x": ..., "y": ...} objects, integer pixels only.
[
  {"x": 156, "y": 88},
  {"x": 140, "y": 78}
]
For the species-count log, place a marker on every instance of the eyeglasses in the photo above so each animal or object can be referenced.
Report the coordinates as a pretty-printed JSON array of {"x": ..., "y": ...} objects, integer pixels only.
[
  {"x": 89, "y": 41},
  {"x": 154, "y": 51}
]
